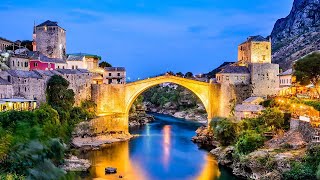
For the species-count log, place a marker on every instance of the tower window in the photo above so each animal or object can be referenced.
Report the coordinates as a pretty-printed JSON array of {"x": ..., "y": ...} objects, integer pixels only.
[{"x": 264, "y": 57}]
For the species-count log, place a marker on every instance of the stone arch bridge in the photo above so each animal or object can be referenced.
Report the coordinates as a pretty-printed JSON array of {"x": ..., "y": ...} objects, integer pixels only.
[{"x": 115, "y": 100}]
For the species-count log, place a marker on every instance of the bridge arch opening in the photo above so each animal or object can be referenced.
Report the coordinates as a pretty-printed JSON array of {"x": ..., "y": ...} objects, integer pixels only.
[
  {"x": 191, "y": 103},
  {"x": 199, "y": 89}
]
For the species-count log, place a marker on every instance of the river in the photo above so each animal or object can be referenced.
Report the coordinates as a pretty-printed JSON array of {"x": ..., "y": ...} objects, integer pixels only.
[{"x": 162, "y": 150}]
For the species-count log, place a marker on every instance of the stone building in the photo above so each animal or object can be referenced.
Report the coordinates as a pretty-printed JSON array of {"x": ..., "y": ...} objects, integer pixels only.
[
  {"x": 264, "y": 79},
  {"x": 232, "y": 74},
  {"x": 83, "y": 61},
  {"x": 26, "y": 84},
  {"x": 6, "y": 89},
  {"x": 285, "y": 79},
  {"x": 50, "y": 39},
  {"x": 114, "y": 75},
  {"x": 32, "y": 85},
  {"x": 4, "y": 43},
  {"x": 39, "y": 61},
  {"x": 19, "y": 62},
  {"x": 256, "y": 49},
  {"x": 253, "y": 68}
]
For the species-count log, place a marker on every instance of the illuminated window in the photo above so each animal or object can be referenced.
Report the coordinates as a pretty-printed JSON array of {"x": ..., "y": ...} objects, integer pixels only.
[{"x": 227, "y": 78}]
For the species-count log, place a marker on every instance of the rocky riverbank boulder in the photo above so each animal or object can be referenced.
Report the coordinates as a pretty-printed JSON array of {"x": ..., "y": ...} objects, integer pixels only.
[
  {"x": 139, "y": 119},
  {"x": 73, "y": 163},
  {"x": 205, "y": 138}
]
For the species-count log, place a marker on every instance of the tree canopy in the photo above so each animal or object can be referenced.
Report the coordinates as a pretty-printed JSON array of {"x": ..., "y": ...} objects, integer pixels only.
[
  {"x": 307, "y": 70},
  {"x": 104, "y": 64},
  {"x": 58, "y": 94}
]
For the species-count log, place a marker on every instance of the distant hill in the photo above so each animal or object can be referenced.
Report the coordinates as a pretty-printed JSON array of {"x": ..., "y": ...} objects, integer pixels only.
[{"x": 297, "y": 34}]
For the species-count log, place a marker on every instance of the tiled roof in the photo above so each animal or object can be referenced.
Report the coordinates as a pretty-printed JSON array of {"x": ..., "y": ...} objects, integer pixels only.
[
  {"x": 44, "y": 72},
  {"x": 3, "y": 82},
  {"x": 234, "y": 70},
  {"x": 72, "y": 71},
  {"x": 79, "y": 56},
  {"x": 115, "y": 69},
  {"x": 252, "y": 99},
  {"x": 24, "y": 74},
  {"x": 287, "y": 72},
  {"x": 3, "y": 39},
  {"x": 257, "y": 38},
  {"x": 249, "y": 108},
  {"x": 36, "y": 55},
  {"x": 48, "y": 23},
  {"x": 75, "y": 58}
]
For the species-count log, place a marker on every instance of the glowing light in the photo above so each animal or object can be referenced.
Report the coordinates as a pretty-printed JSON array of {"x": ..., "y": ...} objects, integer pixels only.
[{"x": 166, "y": 144}]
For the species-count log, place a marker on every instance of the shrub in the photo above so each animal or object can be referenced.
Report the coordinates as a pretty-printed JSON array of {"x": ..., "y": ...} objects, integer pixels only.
[
  {"x": 249, "y": 141},
  {"x": 299, "y": 171},
  {"x": 224, "y": 130}
]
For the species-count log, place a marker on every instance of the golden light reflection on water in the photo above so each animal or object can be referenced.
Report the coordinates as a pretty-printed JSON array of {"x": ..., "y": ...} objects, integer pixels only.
[
  {"x": 115, "y": 156},
  {"x": 210, "y": 170}
]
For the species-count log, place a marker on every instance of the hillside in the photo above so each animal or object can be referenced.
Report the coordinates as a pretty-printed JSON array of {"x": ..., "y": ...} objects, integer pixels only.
[{"x": 297, "y": 34}]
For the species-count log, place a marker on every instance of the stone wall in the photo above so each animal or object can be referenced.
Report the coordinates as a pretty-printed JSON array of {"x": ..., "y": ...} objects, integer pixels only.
[
  {"x": 109, "y": 123},
  {"x": 6, "y": 91},
  {"x": 264, "y": 79},
  {"x": 107, "y": 97},
  {"x": 16, "y": 63}
]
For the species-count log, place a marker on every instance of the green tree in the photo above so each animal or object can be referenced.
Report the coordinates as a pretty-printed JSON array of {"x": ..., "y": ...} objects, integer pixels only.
[
  {"x": 249, "y": 141},
  {"x": 224, "y": 130},
  {"x": 189, "y": 75},
  {"x": 104, "y": 64},
  {"x": 273, "y": 118},
  {"x": 58, "y": 95},
  {"x": 307, "y": 70},
  {"x": 180, "y": 74}
]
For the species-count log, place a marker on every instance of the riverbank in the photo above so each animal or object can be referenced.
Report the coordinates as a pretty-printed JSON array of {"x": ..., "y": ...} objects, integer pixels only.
[
  {"x": 197, "y": 113},
  {"x": 271, "y": 161}
]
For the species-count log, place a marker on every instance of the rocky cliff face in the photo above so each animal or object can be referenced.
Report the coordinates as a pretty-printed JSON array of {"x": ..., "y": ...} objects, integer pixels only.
[{"x": 297, "y": 34}]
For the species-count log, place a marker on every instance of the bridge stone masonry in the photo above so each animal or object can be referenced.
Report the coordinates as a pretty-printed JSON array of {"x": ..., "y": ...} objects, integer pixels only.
[{"x": 115, "y": 100}]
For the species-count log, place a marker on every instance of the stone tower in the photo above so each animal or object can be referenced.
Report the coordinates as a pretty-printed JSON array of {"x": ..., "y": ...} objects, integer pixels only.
[
  {"x": 256, "y": 49},
  {"x": 50, "y": 39}
]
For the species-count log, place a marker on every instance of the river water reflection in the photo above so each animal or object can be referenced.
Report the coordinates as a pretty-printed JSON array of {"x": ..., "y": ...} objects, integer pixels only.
[{"x": 162, "y": 150}]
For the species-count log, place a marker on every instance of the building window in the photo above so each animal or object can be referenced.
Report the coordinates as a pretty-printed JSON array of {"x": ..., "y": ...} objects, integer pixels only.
[
  {"x": 58, "y": 67},
  {"x": 110, "y": 81},
  {"x": 76, "y": 67},
  {"x": 72, "y": 67},
  {"x": 109, "y": 74},
  {"x": 227, "y": 78},
  {"x": 118, "y": 74},
  {"x": 25, "y": 89},
  {"x": 243, "y": 78},
  {"x": 264, "y": 57},
  {"x": 35, "y": 64},
  {"x": 9, "y": 78},
  {"x": 26, "y": 64},
  {"x": 18, "y": 63}
]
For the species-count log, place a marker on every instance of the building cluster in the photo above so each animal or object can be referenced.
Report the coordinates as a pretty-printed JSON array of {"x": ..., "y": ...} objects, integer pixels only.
[
  {"x": 24, "y": 73},
  {"x": 255, "y": 70}
]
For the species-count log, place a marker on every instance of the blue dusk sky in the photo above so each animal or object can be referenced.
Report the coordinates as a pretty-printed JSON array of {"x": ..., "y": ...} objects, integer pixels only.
[{"x": 149, "y": 37}]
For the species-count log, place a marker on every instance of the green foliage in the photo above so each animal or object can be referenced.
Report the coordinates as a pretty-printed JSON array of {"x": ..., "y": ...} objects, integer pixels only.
[
  {"x": 10, "y": 176},
  {"x": 249, "y": 141},
  {"x": 307, "y": 69},
  {"x": 315, "y": 104},
  {"x": 268, "y": 103},
  {"x": 299, "y": 171},
  {"x": 58, "y": 95},
  {"x": 189, "y": 75},
  {"x": 224, "y": 130},
  {"x": 180, "y": 96},
  {"x": 90, "y": 107},
  {"x": 273, "y": 118},
  {"x": 180, "y": 74},
  {"x": 104, "y": 64}
]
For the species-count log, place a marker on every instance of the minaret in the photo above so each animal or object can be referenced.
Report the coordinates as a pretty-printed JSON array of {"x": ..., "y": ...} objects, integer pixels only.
[{"x": 34, "y": 36}]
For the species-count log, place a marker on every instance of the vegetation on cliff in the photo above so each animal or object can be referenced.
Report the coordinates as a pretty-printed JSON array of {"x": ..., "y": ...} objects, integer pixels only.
[{"x": 33, "y": 144}]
